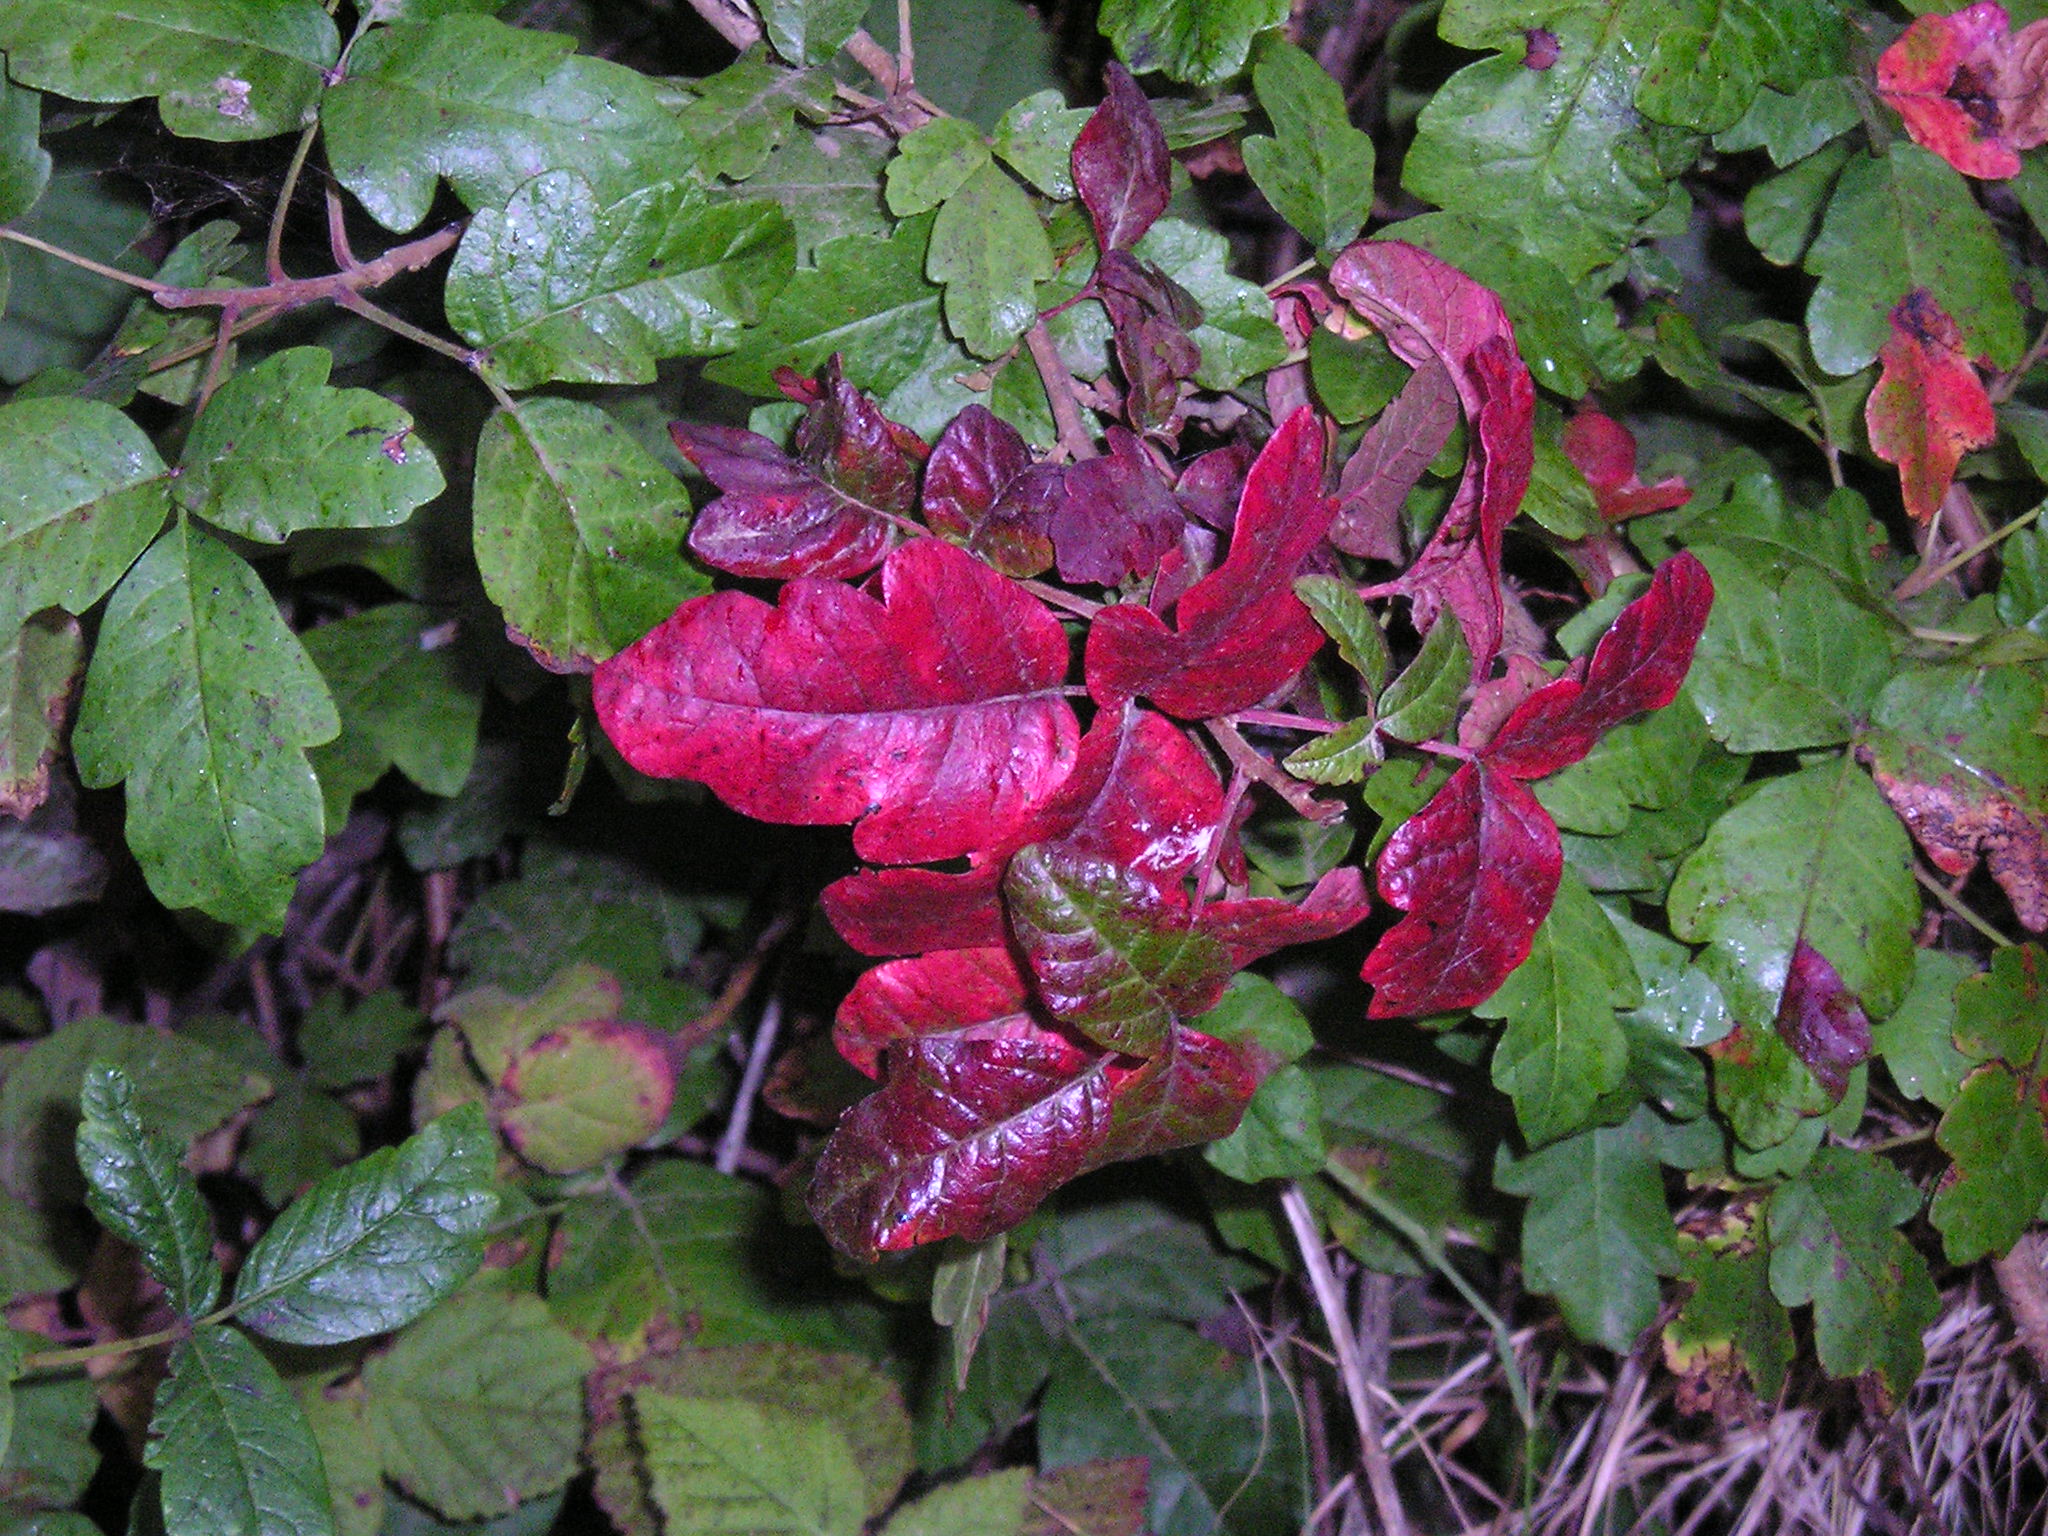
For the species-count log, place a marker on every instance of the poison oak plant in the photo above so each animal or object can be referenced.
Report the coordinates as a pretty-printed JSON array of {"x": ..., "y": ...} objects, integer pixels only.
[{"x": 1521, "y": 738}]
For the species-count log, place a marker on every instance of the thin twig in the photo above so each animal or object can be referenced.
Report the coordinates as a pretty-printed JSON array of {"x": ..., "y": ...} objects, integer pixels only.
[
  {"x": 1927, "y": 576},
  {"x": 1365, "y": 1414},
  {"x": 1254, "y": 763},
  {"x": 1954, "y": 903},
  {"x": 293, "y": 292},
  {"x": 731, "y": 20},
  {"x": 1059, "y": 389},
  {"x": 100, "y": 268},
  {"x": 734, "y": 1141}
]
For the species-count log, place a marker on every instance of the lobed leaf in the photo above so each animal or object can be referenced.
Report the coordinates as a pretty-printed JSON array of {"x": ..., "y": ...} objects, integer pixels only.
[
  {"x": 372, "y": 1246},
  {"x": 1203, "y": 42},
  {"x": 1969, "y": 90},
  {"x": 1316, "y": 170},
  {"x": 1994, "y": 1131},
  {"x": 981, "y": 493},
  {"x": 988, "y": 249},
  {"x": 933, "y": 716},
  {"x": 584, "y": 1092},
  {"x": 1929, "y": 407},
  {"x": 931, "y": 164},
  {"x": 748, "y": 108},
  {"x": 140, "y": 1191}
]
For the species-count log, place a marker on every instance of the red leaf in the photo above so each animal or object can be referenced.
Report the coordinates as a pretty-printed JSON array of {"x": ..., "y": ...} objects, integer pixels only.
[
  {"x": 1968, "y": 90},
  {"x": 1113, "y": 516},
  {"x": 1427, "y": 309},
  {"x": 1252, "y": 929},
  {"x": 826, "y": 512},
  {"x": 911, "y": 911},
  {"x": 1820, "y": 1021},
  {"x": 964, "y": 1139},
  {"x": 1120, "y": 164},
  {"x": 1638, "y": 665},
  {"x": 978, "y": 493},
  {"x": 1241, "y": 632},
  {"x": 1605, "y": 453},
  {"x": 934, "y": 717},
  {"x": 963, "y": 994},
  {"x": 1475, "y": 870},
  {"x": 1929, "y": 407},
  {"x": 1193, "y": 1091},
  {"x": 1150, "y": 316}
]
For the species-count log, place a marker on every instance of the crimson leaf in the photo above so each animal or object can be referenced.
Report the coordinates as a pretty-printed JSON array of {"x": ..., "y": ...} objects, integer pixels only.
[
  {"x": 981, "y": 491},
  {"x": 1429, "y": 310},
  {"x": 1604, "y": 451},
  {"x": 1120, "y": 165},
  {"x": 1929, "y": 407},
  {"x": 1194, "y": 1089},
  {"x": 1475, "y": 870},
  {"x": 1821, "y": 1021},
  {"x": 963, "y": 994},
  {"x": 1637, "y": 665},
  {"x": 933, "y": 717},
  {"x": 1240, "y": 631},
  {"x": 1114, "y": 516}
]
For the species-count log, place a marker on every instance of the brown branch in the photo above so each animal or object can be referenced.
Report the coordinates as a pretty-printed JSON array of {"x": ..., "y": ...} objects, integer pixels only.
[
  {"x": 1059, "y": 389},
  {"x": 335, "y": 287},
  {"x": 731, "y": 20}
]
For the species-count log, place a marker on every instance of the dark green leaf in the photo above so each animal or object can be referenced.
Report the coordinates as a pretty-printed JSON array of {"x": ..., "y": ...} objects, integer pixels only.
[
  {"x": 1423, "y": 700},
  {"x": 720, "y": 1466},
  {"x": 810, "y": 31},
  {"x": 746, "y": 109},
  {"x": 39, "y": 665},
  {"x": 49, "y": 1458},
  {"x": 58, "y": 314},
  {"x": 1649, "y": 762},
  {"x": 372, "y": 1246},
  {"x": 1999, "y": 1014},
  {"x": 139, "y": 1189},
  {"x": 1281, "y": 1135},
  {"x": 299, "y": 1136},
  {"x": 14, "y": 1348},
  {"x": 1335, "y": 605},
  {"x": 963, "y": 1284},
  {"x": 233, "y": 1446},
  {"x": 1994, "y": 1132},
  {"x": 342, "y": 1046},
  {"x": 578, "y": 531},
  {"x": 479, "y": 1405},
  {"x": 221, "y": 69},
  {"x": 1781, "y": 212},
  {"x": 201, "y": 699},
  {"x": 487, "y": 106},
  {"x": 1316, "y": 170},
  {"x": 1917, "y": 1042},
  {"x": 278, "y": 451},
  {"x": 1710, "y": 57},
  {"x": 1203, "y": 42},
  {"x": 1832, "y": 1244},
  {"x": 1731, "y": 1320},
  {"x": 1597, "y": 1232},
  {"x": 828, "y": 184}
]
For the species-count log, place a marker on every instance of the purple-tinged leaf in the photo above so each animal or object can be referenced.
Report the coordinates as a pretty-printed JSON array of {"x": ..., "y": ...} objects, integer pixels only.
[
  {"x": 1150, "y": 316},
  {"x": 1428, "y": 310},
  {"x": 1241, "y": 632},
  {"x": 1211, "y": 484},
  {"x": 1194, "y": 1090},
  {"x": 964, "y": 1139},
  {"x": 1821, "y": 1021},
  {"x": 1114, "y": 516},
  {"x": 1638, "y": 665},
  {"x": 981, "y": 492},
  {"x": 935, "y": 717},
  {"x": 1120, "y": 163},
  {"x": 963, "y": 994},
  {"x": 1475, "y": 870},
  {"x": 1388, "y": 462},
  {"x": 1114, "y": 957}
]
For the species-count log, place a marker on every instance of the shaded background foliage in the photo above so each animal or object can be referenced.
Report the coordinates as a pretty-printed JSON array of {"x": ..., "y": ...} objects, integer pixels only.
[{"x": 416, "y": 1116}]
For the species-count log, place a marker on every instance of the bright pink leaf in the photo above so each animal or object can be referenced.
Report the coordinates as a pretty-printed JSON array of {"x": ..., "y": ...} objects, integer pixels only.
[
  {"x": 1475, "y": 870},
  {"x": 911, "y": 911},
  {"x": 1929, "y": 407},
  {"x": 1114, "y": 516},
  {"x": 968, "y": 994},
  {"x": 935, "y": 717},
  {"x": 1120, "y": 163},
  {"x": 1605, "y": 453},
  {"x": 1428, "y": 310},
  {"x": 979, "y": 492},
  {"x": 1819, "y": 1019},
  {"x": 1969, "y": 89},
  {"x": 964, "y": 1139},
  {"x": 1638, "y": 665},
  {"x": 1192, "y": 1091},
  {"x": 1253, "y": 928},
  {"x": 1240, "y": 631}
]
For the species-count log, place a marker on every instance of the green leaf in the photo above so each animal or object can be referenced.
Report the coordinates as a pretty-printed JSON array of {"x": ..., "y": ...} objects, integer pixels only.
[
  {"x": 58, "y": 314},
  {"x": 1787, "y": 665},
  {"x": 1225, "y": 1447},
  {"x": 1999, "y": 1014},
  {"x": 1203, "y": 42},
  {"x": 932, "y": 163},
  {"x": 1792, "y": 126},
  {"x": 49, "y": 1458},
  {"x": 1730, "y": 1319},
  {"x": 1354, "y": 379},
  {"x": 1316, "y": 170},
  {"x": 1559, "y": 153},
  {"x": 24, "y": 163},
  {"x": 138, "y": 1188},
  {"x": 584, "y": 1092},
  {"x": 992, "y": 1504},
  {"x": 1035, "y": 138},
  {"x": 1832, "y": 1244},
  {"x": 810, "y": 31},
  {"x": 578, "y": 531},
  {"x": 828, "y": 184},
  {"x": 1898, "y": 222},
  {"x": 14, "y": 1348},
  {"x": 1423, "y": 700},
  {"x": 1281, "y": 1135},
  {"x": 1344, "y": 756},
  {"x": 1781, "y": 213},
  {"x": 234, "y": 1448},
  {"x": 39, "y": 663},
  {"x": 278, "y": 451},
  {"x": 204, "y": 702},
  {"x": 487, "y": 105},
  {"x": 557, "y": 286},
  {"x": 988, "y": 249},
  {"x": 339, "y": 1419},
  {"x": 746, "y": 109},
  {"x": 342, "y": 1046},
  {"x": 1649, "y": 762},
  {"x": 1411, "y": 1146},
  {"x": 1710, "y": 57},
  {"x": 1994, "y": 1132},
  {"x": 1775, "y": 537},
  {"x": 221, "y": 69},
  {"x": 498, "y": 1027},
  {"x": 1815, "y": 854},
  {"x": 408, "y": 698},
  {"x": 299, "y": 1136},
  {"x": 1917, "y": 1042},
  {"x": 372, "y": 1246},
  {"x": 1559, "y": 499},
  {"x": 1237, "y": 335},
  {"x": 1563, "y": 1048},
  {"x": 84, "y": 492},
  {"x": 732, "y": 1468},
  {"x": 1335, "y": 605},
  {"x": 966, "y": 1280},
  {"x": 479, "y": 1405},
  {"x": 1597, "y": 1233}
]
